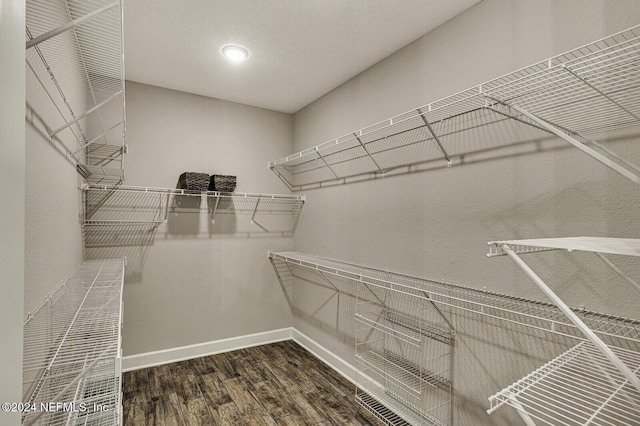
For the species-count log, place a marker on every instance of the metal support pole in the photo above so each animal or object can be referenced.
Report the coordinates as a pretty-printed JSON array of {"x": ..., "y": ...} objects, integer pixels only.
[
  {"x": 582, "y": 147},
  {"x": 69, "y": 25},
  {"x": 588, "y": 333},
  {"x": 369, "y": 154},
  {"x": 215, "y": 209},
  {"x": 619, "y": 272},
  {"x": 435, "y": 137}
]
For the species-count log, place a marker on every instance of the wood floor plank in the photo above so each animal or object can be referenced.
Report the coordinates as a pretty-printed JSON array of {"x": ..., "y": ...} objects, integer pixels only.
[
  {"x": 243, "y": 399},
  {"x": 274, "y": 400},
  {"x": 259, "y": 418},
  {"x": 213, "y": 390},
  {"x": 221, "y": 366},
  {"x": 165, "y": 411},
  {"x": 185, "y": 383},
  {"x": 160, "y": 381},
  {"x": 195, "y": 412},
  {"x": 228, "y": 415},
  {"x": 136, "y": 414}
]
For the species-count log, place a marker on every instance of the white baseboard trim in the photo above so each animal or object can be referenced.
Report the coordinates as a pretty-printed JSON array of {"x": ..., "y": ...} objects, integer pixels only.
[
  {"x": 345, "y": 369},
  {"x": 167, "y": 356}
]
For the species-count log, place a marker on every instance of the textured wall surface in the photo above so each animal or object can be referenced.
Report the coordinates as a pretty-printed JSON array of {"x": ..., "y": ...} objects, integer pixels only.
[
  {"x": 12, "y": 167},
  {"x": 197, "y": 282},
  {"x": 435, "y": 223}
]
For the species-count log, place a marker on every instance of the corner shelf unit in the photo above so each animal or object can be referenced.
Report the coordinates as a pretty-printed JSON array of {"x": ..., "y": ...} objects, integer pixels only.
[
  {"x": 404, "y": 344},
  {"x": 585, "y": 91},
  {"x": 75, "y": 52},
  {"x": 144, "y": 207},
  {"x": 593, "y": 383},
  {"x": 72, "y": 350}
]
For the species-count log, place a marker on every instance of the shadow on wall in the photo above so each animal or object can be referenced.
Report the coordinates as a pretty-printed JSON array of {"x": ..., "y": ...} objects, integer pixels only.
[
  {"x": 37, "y": 124},
  {"x": 202, "y": 216},
  {"x": 487, "y": 136},
  {"x": 113, "y": 242}
]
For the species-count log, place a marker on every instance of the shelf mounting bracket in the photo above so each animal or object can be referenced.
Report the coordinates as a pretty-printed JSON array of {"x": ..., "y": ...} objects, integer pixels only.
[
  {"x": 435, "y": 137},
  {"x": 619, "y": 271},
  {"x": 369, "y": 154},
  {"x": 327, "y": 164},
  {"x": 582, "y": 147}
]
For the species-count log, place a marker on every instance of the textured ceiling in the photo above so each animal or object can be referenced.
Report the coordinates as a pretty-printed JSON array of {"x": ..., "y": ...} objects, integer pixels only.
[{"x": 299, "y": 49}]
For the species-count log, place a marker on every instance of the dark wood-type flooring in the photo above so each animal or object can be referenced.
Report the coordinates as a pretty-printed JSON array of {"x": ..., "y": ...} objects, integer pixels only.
[{"x": 276, "y": 384}]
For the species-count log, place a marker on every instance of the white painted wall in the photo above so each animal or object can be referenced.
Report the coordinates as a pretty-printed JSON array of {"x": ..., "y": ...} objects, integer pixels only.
[
  {"x": 435, "y": 224},
  {"x": 53, "y": 243},
  {"x": 12, "y": 169},
  {"x": 197, "y": 282}
]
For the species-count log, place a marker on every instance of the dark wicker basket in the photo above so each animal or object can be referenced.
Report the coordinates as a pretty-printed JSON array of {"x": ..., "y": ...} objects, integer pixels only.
[
  {"x": 222, "y": 183},
  {"x": 193, "y": 181}
]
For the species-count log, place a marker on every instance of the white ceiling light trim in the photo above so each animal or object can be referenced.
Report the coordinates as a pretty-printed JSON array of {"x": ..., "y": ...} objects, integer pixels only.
[{"x": 234, "y": 52}]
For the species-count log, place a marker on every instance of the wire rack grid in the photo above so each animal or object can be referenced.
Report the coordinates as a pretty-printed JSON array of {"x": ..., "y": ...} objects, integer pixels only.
[
  {"x": 588, "y": 90},
  {"x": 72, "y": 354},
  {"x": 75, "y": 52},
  {"x": 579, "y": 387},
  {"x": 594, "y": 382},
  {"x": 534, "y": 314},
  {"x": 109, "y": 209},
  {"x": 403, "y": 356}
]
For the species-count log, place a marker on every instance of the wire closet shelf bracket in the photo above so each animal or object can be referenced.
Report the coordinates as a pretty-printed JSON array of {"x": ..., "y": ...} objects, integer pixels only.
[
  {"x": 74, "y": 53},
  {"x": 72, "y": 350},
  {"x": 594, "y": 382},
  {"x": 583, "y": 92}
]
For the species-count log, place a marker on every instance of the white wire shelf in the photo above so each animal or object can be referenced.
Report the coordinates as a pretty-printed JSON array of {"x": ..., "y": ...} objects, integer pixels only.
[
  {"x": 72, "y": 350},
  {"x": 75, "y": 54},
  {"x": 537, "y": 315},
  {"x": 623, "y": 362},
  {"x": 621, "y": 246},
  {"x": 588, "y": 90},
  {"x": 121, "y": 206},
  {"x": 392, "y": 410},
  {"x": 579, "y": 387}
]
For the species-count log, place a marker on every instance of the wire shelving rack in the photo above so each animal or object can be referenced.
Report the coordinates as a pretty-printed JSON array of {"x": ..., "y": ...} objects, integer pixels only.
[
  {"x": 72, "y": 350},
  {"x": 75, "y": 53},
  {"x": 583, "y": 92},
  {"x": 119, "y": 206},
  {"x": 604, "y": 386},
  {"x": 613, "y": 331},
  {"x": 404, "y": 345}
]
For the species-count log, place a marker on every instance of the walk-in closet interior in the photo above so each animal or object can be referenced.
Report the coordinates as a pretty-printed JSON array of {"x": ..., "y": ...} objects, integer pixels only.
[{"x": 408, "y": 212}]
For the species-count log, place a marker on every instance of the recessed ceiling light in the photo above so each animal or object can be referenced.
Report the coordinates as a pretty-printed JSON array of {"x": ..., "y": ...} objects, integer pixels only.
[{"x": 235, "y": 53}]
